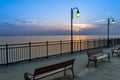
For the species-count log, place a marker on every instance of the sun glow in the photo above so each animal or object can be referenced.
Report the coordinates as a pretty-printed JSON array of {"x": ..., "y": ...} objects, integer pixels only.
[{"x": 78, "y": 27}]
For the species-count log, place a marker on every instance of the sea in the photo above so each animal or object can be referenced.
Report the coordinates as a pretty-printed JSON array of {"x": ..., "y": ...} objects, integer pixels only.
[{"x": 26, "y": 39}]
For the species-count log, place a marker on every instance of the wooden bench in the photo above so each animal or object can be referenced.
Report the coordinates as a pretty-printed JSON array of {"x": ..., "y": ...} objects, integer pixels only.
[
  {"x": 51, "y": 69},
  {"x": 97, "y": 55},
  {"x": 116, "y": 51}
]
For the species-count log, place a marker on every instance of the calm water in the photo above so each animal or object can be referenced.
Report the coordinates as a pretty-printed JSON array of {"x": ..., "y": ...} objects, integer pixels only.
[{"x": 24, "y": 39}]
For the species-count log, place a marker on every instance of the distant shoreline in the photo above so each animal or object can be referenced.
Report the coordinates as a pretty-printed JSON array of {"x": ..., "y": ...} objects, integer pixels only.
[
  {"x": 61, "y": 35},
  {"x": 27, "y": 39}
]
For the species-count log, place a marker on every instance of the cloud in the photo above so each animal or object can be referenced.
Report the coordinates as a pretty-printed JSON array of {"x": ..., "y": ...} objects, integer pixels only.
[
  {"x": 34, "y": 27},
  {"x": 23, "y": 22},
  {"x": 28, "y": 26},
  {"x": 100, "y": 21}
]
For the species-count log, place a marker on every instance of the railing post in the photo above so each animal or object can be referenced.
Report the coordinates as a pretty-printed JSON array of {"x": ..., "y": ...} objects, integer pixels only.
[
  {"x": 94, "y": 46},
  {"x": 112, "y": 41},
  {"x": 29, "y": 51},
  {"x": 73, "y": 46},
  {"x": 6, "y": 54},
  {"x": 118, "y": 40},
  {"x": 80, "y": 45},
  {"x": 47, "y": 48},
  {"x": 115, "y": 41},
  {"x": 104, "y": 42},
  {"x": 60, "y": 47},
  {"x": 87, "y": 44},
  {"x": 99, "y": 43}
]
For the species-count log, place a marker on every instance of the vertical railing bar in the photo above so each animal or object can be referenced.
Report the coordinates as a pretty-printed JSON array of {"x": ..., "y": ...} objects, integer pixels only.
[
  {"x": 29, "y": 51},
  {"x": 1, "y": 55},
  {"x": 38, "y": 51},
  {"x": 93, "y": 43},
  {"x": 80, "y": 45},
  {"x": 99, "y": 42},
  {"x": 17, "y": 54},
  {"x": 2, "y": 58},
  {"x": 20, "y": 53},
  {"x": 77, "y": 45},
  {"x": 60, "y": 47},
  {"x": 27, "y": 57},
  {"x": 6, "y": 54},
  {"x": 104, "y": 42},
  {"x": 47, "y": 48},
  {"x": 11, "y": 55},
  {"x": 87, "y": 42}
]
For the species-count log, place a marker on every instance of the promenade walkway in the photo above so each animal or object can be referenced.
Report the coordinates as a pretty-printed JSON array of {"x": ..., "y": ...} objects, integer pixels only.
[{"x": 105, "y": 71}]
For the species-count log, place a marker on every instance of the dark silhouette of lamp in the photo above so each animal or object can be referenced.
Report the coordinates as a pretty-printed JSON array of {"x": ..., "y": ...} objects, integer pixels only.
[
  {"x": 113, "y": 22},
  {"x": 77, "y": 15}
]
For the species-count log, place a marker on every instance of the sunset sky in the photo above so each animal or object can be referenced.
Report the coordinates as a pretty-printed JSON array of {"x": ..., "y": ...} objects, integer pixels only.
[{"x": 52, "y": 17}]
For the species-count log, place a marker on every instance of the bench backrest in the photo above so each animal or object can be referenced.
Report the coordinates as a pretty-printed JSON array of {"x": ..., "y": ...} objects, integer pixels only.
[
  {"x": 49, "y": 68},
  {"x": 95, "y": 52}
]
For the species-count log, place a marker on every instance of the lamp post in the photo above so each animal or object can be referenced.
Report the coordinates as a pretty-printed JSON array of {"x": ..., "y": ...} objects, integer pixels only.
[
  {"x": 77, "y": 15},
  {"x": 113, "y": 22}
]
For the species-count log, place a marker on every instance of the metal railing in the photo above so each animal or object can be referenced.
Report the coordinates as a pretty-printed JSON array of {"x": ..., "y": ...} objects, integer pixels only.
[{"x": 14, "y": 53}]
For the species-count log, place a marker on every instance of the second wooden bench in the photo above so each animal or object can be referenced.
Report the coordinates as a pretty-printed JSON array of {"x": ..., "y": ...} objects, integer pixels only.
[{"x": 97, "y": 55}]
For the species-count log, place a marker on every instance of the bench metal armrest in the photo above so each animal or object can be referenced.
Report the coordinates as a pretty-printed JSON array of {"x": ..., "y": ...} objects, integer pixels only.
[
  {"x": 95, "y": 57},
  {"x": 92, "y": 58},
  {"x": 27, "y": 76}
]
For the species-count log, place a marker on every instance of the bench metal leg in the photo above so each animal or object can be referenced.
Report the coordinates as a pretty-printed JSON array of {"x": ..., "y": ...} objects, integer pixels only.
[
  {"x": 26, "y": 76},
  {"x": 88, "y": 63},
  {"x": 102, "y": 60},
  {"x": 64, "y": 72},
  {"x": 109, "y": 58},
  {"x": 95, "y": 63},
  {"x": 112, "y": 54},
  {"x": 73, "y": 73},
  {"x": 118, "y": 54}
]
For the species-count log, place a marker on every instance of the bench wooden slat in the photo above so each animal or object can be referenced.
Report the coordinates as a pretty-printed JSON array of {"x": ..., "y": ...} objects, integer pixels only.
[
  {"x": 48, "y": 73},
  {"x": 101, "y": 57}
]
